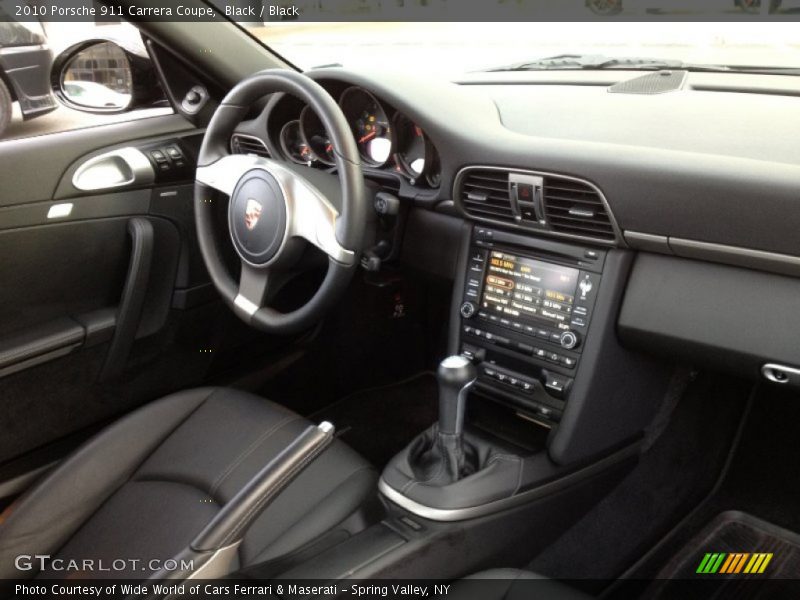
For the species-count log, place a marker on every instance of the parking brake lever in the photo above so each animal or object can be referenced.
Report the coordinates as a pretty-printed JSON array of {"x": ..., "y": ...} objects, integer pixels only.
[{"x": 214, "y": 552}]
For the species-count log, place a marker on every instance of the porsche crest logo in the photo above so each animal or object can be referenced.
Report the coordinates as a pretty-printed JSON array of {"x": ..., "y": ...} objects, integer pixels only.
[{"x": 252, "y": 213}]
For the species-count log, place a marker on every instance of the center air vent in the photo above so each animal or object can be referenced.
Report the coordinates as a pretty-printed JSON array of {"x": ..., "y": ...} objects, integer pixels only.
[
  {"x": 538, "y": 201},
  {"x": 247, "y": 144},
  {"x": 485, "y": 193},
  {"x": 576, "y": 208}
]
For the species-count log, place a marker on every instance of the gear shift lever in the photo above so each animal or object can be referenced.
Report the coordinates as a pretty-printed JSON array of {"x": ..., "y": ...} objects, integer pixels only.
[{"x": 456, "y": 374}]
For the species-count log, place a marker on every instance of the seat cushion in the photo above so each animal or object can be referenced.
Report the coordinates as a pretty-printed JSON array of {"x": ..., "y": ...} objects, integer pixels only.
[
  {"x": 511, "y": 584},
  {"x": 144, "y": 487}
]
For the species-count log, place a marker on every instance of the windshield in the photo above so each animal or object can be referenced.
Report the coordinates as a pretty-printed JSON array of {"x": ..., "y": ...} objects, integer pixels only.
[{"x": 450, "y": 49}]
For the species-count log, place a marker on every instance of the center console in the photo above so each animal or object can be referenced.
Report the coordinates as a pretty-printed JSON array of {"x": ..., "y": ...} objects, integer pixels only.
[
  {"x": 524, "y": 317},
  {"x": 541, "y": 412}
]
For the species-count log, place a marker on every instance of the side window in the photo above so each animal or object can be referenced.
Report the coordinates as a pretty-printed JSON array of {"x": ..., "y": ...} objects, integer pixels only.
[{"x": 96, "y": 78}]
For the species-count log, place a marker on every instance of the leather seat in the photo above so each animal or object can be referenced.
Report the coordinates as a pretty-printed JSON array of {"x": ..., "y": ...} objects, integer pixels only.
[
  {"x": 146, "y": 485},
  {"x": 511, "y": 584}
]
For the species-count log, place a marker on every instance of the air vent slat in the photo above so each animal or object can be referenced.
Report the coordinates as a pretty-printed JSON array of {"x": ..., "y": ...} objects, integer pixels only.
[
  {"x": 484, "y": 193},
  {"x": 245, "y": 144},
  {"x": 576, "y": 208},
  {"x": 568, "y": 212}
]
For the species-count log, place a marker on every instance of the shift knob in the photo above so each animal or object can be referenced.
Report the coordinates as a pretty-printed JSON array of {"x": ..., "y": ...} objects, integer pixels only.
[{"x": 456, "y": 374}]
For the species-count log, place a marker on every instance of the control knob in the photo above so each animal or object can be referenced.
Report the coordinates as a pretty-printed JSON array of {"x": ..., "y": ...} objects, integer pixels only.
[
  {"x": 570, "y": 340},
  {"x": 468, "y": 310}
]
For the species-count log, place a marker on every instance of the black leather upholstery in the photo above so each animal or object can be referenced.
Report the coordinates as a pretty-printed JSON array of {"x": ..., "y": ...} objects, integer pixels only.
[
  {"x": 145, "y": 486},
  {"x": 511, "y": 584}
]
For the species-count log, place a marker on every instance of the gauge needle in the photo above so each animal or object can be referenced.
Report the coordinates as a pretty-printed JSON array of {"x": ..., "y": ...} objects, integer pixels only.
[{"x": 367, "y": 137}]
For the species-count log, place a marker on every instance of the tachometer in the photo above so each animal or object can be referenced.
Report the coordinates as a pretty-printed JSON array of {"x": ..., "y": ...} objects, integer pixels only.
[
  {"x": 412, "y": 147},
  {"x": 316, "y": 137},
  {"x": 370, "y": 125},
  {"x": 294, "y": 144}
]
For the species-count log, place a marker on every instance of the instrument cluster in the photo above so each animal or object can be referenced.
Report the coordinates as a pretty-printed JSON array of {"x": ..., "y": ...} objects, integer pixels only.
[{"x": 387, "y": 139}]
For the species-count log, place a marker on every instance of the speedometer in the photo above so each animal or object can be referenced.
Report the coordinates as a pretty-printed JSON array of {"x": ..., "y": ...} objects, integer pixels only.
[
  {"x": 412, "y": 147},
  {"x": 370, "y": 125},
  {"x": 316, "y": 137}
]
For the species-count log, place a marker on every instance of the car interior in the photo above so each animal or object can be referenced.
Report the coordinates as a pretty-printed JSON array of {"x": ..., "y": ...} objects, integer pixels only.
[{"x": 354, "y": 324}]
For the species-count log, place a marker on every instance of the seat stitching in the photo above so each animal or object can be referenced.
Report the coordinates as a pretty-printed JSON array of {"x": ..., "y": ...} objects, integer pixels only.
[{"x": 290, "y": 418}]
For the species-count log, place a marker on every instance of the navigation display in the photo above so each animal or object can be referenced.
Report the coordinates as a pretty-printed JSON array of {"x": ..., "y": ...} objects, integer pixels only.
[{"x": 526, "y": 289}]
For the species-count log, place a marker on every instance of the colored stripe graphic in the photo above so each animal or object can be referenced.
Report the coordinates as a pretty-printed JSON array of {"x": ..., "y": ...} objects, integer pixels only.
[
  {"x": 734, "y": 563},
  {"x": 711, "y": 563}
]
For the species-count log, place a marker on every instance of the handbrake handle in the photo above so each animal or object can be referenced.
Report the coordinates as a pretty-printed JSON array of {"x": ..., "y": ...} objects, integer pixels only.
[{"x": 214, "y": 552}]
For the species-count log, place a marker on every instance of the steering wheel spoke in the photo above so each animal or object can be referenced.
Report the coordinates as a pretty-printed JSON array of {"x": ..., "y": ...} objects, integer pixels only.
[
  {"x": 254, "y": 285},
  {"x": 313, "y": 218},
  {"x": 223, "y": 174}
]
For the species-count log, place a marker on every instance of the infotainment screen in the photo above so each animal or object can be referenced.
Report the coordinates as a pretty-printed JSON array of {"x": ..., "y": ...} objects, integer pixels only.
[{"x": 524, "y": 289}]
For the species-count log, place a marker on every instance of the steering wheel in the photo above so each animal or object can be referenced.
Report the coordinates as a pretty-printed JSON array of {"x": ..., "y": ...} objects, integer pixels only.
[{"x": 274, "y": 207}]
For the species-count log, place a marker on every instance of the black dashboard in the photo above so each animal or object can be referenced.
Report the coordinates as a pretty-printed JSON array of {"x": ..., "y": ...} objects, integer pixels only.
[{"x": 707, "y": 172}]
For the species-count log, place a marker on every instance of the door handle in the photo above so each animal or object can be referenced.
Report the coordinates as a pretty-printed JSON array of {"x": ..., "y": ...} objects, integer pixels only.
[
  {"x": 118, "y": 168},
  {"x": 129, "y": 312}
]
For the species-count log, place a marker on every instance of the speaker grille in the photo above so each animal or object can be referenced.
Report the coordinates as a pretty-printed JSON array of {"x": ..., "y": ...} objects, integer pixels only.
[{"x": 659, "y": 82}]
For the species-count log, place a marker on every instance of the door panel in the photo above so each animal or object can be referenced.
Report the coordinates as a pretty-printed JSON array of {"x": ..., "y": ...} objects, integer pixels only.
[
  {"x": 31, "y": 168},
  {"x": 103, "y": 306}
]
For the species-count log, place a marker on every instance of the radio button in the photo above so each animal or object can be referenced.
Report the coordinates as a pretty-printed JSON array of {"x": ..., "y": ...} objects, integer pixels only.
[
  {"x": 555, "y": 338},
  {"x": 543, "y": 333},
  {"x": 468, "y": 309},
  {"x": 525, "y": 348},
  {"x": 570, "y": 340},
  {"x": 578, "y": 322}
]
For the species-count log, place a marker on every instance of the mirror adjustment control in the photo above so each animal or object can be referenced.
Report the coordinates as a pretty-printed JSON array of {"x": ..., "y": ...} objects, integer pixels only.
[
  {"x": 570, "y": 340},
  {"x": 468, "y": 310}
]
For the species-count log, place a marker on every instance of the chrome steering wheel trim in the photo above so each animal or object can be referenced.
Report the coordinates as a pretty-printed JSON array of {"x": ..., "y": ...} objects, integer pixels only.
[{"x": 309, "y": 213}]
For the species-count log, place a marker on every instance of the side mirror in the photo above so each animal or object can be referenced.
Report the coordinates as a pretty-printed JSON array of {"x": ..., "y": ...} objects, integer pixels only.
[{"x": 102, "y": 76}]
